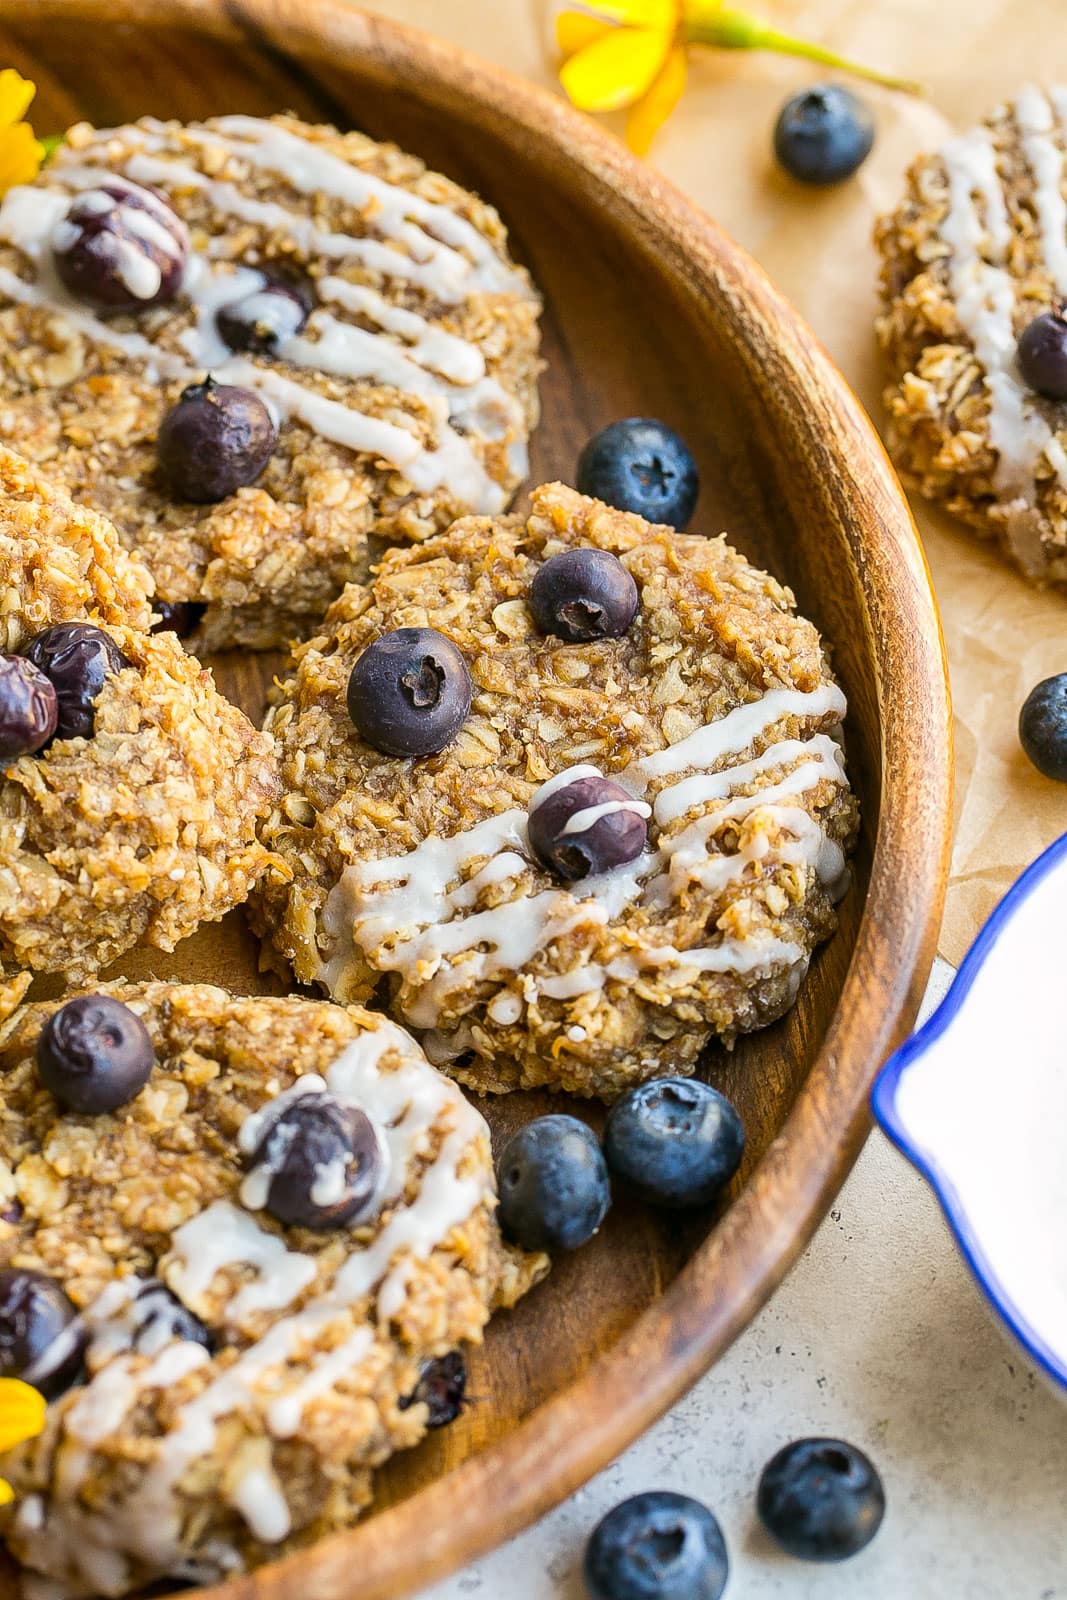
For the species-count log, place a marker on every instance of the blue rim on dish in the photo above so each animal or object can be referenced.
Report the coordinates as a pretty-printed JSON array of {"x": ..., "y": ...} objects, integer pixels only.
[{"x": 884, "y": 1106}]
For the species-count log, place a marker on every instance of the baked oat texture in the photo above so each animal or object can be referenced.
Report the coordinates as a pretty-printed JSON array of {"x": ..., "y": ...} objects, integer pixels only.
[
  {"x": 396, "y": 307},
  {"x": 146, "y": 829},
  {"x": 974, "y": 252},
  {"x": 712, "y": 635},
  {"x": 113, "y": 1494}
]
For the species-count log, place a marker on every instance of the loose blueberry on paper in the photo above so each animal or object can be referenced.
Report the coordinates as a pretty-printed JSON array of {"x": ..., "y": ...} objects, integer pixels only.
[
  {"x": 1043, "y": 727},
  {"x": 553, "y": 1184},
  {"x": 409, "y": 693},
  {"x": 641, "y": 465},
  {"x": 215, "y": 440},
  {"x": 657, "y": 1546},
  {"x": 821, "y": 1499},
  {"x": 677, "y": 1141},
  {"x": 28, "y": 708},
  {"x": 34, "y": 1311},
  {"x": 120, "y": 248},
  {"x": 1042, "y": 354},
  {"x": 823, "y": 135},
  {"x": 323, "y": 1163},
  {"x": 587, "y": 827},
  {"x": 77, "y": 659},
  {"x": 442, "y": 1389},
  {"x": 263, "y": 320},
  {"x": 94, "y": 1054},
  {"x": 583, "y": 594}
]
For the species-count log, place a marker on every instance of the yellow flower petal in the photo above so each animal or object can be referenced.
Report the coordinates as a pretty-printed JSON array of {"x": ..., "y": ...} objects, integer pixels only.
[
  {"x": 574, "y": 30},
  {"x": 16, "y": 96},
  {"x": 22, "y": 1412},
  {"x": 662, "y": 14},
  {"x": 650, "y": 113},
  {"x": 20, "y": 156},
  {"x": 615, "y": 71},
  {"x": 7, "y": 1493}
]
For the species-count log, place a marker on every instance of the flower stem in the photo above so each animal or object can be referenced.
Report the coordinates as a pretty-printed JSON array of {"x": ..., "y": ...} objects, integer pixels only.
[{"x": 735, "y": 30}]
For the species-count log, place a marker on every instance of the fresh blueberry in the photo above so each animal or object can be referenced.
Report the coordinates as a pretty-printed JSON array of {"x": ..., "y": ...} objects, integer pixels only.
[
  {"x": 677, "y": 1141},
  {"x": 120, "y": 248},
  {"x": 586, "y": 827},
  {"x": 641, "y": 465},
  {"x": 1042, "y": 354},
  {"x": 1043, "y": 727},
  {"x": 409, "y": 693},
  {"x": 553, "y": 1183},
  {"x": 215, "y": 440},
  {"x": 264, "y": 319},
  {"x": 28, "y": 708},
  {"x": 442, "y": 1389},
  {"x": 823, "y": 135},
  {"x": 318, "y": 1165},
  {"x": 177, "y": 616},
  {"x": 34, "y": 1315},
  {"x": 583, "y": 594},
  {"x": 159, "y": 1317},
  {"x": 821, "y": 1499},
  {"x": 657, "y": 1546},
  {"x": 94, "y": 1054},
  {"x": 77, "y": 659}
]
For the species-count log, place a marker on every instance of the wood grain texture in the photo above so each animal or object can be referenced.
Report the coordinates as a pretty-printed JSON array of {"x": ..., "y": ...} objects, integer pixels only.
[{"x": 649, "y": 309}]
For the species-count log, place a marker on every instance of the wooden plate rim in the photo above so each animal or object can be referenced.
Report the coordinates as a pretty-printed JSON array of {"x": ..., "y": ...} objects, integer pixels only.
[{"x": 493, "y": 1495}]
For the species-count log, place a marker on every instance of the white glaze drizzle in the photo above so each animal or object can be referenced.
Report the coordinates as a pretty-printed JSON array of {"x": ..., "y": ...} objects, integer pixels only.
[
  {"x": 1035, "y": 116},
  {"x": 445, "y": 372},
  {"x": 984, "y": 290},
  {"x": 426, "y": 227},
  {"x": 224, "y": 1236},
  {"x": 582, "y": 821},
  {"x": 260, "y": 1499},
  {"x": 411, "y": 913},
  {"x": 408, "y": 1103}
]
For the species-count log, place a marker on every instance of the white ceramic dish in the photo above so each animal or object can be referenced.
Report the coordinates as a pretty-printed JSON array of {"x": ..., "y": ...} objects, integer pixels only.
[{"x": 977, "y": 1100}]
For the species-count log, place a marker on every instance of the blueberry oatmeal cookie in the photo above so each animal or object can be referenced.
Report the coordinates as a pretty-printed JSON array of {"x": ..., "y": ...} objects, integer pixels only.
[
  {"x": 565, "y": 793},
  {"x": 240, "y": 1271},
  {"x": 129, "y": 788},
  {"x": 974, "y": 276},
  {"x": 373, "y": 351}
]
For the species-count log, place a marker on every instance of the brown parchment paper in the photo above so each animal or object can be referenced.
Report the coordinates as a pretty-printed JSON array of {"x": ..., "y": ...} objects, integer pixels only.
[{"x": 1002, "y": 636}]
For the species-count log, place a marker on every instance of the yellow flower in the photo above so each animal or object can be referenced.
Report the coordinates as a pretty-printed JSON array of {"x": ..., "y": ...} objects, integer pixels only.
[
  {"x": 21, "y": 153},
  {"x": 633, "y": 55},
  {"x": 22, "y": 1409}
]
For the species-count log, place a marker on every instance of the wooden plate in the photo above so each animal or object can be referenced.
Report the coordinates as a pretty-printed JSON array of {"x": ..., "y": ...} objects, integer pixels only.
[{"x": 650, "y": 309}]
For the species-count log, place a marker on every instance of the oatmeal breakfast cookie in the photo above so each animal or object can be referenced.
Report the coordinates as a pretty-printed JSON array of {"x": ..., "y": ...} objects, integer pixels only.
[
  {"x": 129, "y": 788},
  {"x": 975, "y": 254},
  {"x": 60, "y": 562},
  {"x": 633, "y": 829},
  {"x": 373, "y": 345},
  {"x": 238, "y": 1283}
]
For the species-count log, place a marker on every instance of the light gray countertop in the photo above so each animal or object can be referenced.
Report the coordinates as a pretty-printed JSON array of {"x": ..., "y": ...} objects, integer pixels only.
[{"x": 880, "y": 1336}]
